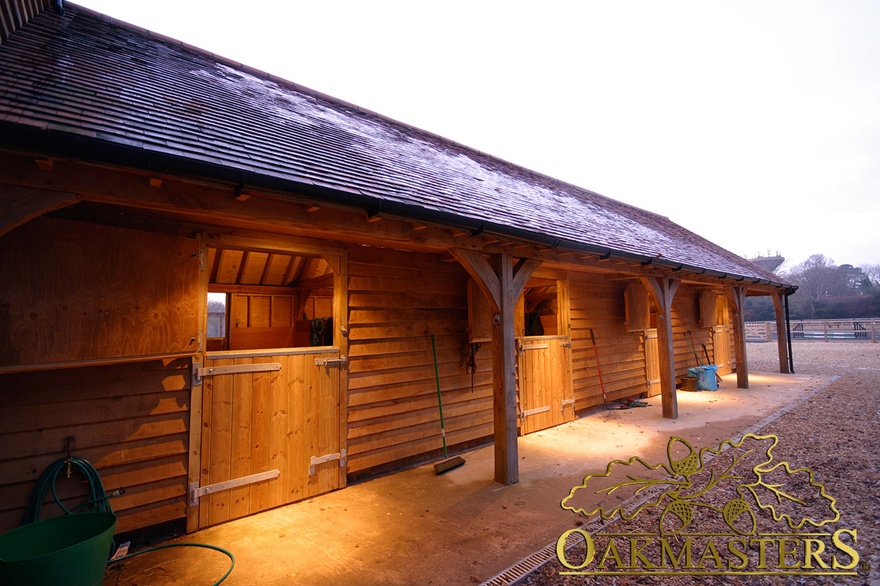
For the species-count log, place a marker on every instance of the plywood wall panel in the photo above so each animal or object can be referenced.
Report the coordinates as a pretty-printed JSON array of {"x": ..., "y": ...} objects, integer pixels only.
[
  {"x": 282, "y": 311},
  {"x": 73, "y": 291},
  {"x": 260, "y": 311}
]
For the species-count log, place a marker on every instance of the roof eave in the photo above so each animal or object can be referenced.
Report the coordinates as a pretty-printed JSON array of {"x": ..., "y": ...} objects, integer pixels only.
[{"x": 68, "y": 145}]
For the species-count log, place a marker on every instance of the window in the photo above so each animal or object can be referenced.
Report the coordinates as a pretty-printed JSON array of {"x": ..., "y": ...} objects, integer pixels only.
[{"x": 216, "y": 319}]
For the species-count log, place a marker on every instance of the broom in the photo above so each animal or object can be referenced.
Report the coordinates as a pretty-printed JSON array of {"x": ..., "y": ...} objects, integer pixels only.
[
  {"x": 599, "y": 369},
  {"x": 447, "y": 464}
]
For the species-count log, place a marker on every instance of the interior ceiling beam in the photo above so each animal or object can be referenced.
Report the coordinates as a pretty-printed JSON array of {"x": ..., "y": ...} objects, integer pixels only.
[
  {"x": 324, "y": 282},
  {"x": 262, "y": 289}
]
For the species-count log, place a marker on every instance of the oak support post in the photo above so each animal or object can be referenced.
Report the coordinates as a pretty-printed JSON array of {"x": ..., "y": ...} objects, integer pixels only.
[
  {"x": 781, "y": 332},
  {"x": 737, "y": 297},
  {"x": 502, "y": 282},
  {"x": 504, "y": 380},
  {"x": 664, "y": 291}
]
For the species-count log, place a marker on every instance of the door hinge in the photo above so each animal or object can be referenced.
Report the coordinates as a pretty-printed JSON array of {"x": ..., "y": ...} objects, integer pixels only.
[
  {"x": 315, "y": 460},
  {"x": 535, "y": 346},
  {"x": 199, "y": 372},
  {"x": 535, "y": 411},
  {"x": 195, "y": 492}
]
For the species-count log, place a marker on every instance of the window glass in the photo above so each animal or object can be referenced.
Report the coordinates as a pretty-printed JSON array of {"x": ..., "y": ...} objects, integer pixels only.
[{"x": 216, "y": 315}]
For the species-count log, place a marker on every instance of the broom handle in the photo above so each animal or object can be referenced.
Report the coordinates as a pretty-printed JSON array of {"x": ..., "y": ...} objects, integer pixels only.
[
  {"x": 693, "y": 349},
  {"x": 439, "y": 397},
  {"x": 598, "y": 368}
]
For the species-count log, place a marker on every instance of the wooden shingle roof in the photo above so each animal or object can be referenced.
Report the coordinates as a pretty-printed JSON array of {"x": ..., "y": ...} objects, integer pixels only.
[{"x": 85, "y": 83}]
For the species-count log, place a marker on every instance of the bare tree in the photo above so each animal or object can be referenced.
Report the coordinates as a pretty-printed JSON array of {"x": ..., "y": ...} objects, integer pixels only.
[
  {"x": 873, "y": 274},
  {"x": 815, "y": 277},
  {"x": 822, "y": 285}
]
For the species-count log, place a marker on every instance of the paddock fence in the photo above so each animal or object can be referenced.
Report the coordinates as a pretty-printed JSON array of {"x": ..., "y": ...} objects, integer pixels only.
[{"x": 860, "y": 329}]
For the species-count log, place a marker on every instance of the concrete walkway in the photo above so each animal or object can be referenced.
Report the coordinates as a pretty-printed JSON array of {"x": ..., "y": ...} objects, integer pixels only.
[{"x": 413, "y": 527}]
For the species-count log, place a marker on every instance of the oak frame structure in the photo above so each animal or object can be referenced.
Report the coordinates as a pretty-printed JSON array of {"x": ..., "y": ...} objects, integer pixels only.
[{"x": 138, "y": 174}]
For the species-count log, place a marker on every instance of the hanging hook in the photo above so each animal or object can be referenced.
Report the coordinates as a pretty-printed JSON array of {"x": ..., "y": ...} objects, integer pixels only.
[{"x": 69, "y": 440}]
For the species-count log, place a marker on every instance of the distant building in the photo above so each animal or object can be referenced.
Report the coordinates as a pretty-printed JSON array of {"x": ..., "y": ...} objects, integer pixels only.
[{"x": 768, "y": 263}]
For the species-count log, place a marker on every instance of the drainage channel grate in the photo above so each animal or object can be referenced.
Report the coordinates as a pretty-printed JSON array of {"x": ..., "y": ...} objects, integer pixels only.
[{"x": 523, "y": 568}]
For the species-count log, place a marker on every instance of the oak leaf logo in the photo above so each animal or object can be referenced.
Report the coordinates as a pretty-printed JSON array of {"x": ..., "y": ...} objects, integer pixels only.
[{"x": 742, "y": 475}]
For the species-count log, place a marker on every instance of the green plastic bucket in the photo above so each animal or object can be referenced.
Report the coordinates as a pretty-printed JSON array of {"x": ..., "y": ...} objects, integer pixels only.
[{"x": 71, "y": 550}]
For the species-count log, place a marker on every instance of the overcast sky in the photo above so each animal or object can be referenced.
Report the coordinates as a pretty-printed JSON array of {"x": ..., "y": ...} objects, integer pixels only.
[{"x": 753, "y": 123}]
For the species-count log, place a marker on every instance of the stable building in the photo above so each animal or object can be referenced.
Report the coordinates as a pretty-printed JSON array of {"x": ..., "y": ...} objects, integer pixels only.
[{"x": 229, "y": 292}]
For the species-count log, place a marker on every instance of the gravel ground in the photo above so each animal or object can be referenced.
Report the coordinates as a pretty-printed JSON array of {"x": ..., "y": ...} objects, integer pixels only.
[{"x": 833, "y": 433}]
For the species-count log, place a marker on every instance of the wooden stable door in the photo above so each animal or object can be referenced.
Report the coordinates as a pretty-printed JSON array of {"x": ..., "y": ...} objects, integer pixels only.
[
  {"x": 271, "y": 431},
  {"x": 652, "y": 362},
  {"x": 721, "y": 349},
  {"x": 545, "y": 391}
]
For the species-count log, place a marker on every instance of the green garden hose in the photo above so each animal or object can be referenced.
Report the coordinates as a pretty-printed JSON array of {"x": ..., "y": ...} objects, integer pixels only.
[
  {"x": 169, "y": 545},
  {"x": 96, "y": 500}
]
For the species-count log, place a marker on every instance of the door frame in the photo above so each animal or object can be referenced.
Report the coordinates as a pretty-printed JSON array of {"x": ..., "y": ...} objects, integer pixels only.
[
  {"x": 337, "y": 257},
  {"x": 561, "y": 337}
]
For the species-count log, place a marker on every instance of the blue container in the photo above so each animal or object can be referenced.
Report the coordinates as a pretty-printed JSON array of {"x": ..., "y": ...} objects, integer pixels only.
[{"x": 705, "y": 377}]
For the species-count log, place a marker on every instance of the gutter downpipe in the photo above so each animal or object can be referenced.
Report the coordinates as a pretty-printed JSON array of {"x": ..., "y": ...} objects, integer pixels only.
[{"x": 788, "y": 334}]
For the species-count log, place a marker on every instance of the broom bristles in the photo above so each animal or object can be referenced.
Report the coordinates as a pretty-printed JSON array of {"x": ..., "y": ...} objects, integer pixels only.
[{"x": 447, "y": 465}]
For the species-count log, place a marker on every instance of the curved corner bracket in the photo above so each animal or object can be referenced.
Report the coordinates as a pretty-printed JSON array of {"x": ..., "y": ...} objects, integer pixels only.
[{"x": 374, "y": 211}]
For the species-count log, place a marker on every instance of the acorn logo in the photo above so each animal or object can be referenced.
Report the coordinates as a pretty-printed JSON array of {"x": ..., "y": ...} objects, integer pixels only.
[{"x": 733, "y": 509}]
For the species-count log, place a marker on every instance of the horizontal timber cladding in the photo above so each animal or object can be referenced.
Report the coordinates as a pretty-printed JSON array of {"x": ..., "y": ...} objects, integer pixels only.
[
  {"x": 686, "y": 323},
  {"x": 598, "y": 303},
  {"x": 397, "y": 300},
  {"x": 130, "y": 421}
]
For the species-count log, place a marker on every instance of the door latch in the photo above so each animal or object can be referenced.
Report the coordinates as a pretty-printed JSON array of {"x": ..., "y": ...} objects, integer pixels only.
[{"x": 328, "y": 362}]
